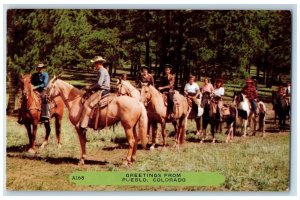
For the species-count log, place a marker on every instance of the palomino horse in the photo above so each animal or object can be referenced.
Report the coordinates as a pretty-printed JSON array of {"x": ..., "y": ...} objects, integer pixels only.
[
  {"x": 125, "y": 88},
  {"x": 246, "y": 114},
  {"x": 31, "y": 110},
  {"x": 124, "y": 109},
  {"x": 157, "y": 113}
]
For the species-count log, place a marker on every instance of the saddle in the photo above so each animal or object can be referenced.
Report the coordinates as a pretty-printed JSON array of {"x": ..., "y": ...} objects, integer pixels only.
[{"x": 95, "y": 115}]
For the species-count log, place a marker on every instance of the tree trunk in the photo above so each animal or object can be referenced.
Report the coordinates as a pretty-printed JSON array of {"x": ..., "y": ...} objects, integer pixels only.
[{"x": 12, "y": 91}]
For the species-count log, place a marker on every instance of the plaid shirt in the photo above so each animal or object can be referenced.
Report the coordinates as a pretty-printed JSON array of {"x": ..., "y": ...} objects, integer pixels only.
[{"x": 250, "y": 92}]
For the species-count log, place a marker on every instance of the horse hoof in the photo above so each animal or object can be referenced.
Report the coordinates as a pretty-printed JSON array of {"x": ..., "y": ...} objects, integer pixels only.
[
  {"x": 31, "y": 151},
  {"x": 44, "y": 145},
  {"x": 152, "y": 148},
  {"x": 59, "y": 146},
  {"x": 126, "y": 163},
  {"x": 227, "y": 141},
  {"x": 81, "y": 162},
  {"x": 201, "y": 141}
]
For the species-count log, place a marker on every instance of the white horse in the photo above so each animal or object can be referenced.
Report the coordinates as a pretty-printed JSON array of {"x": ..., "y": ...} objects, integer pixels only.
[{"x": 246, "y": 114}]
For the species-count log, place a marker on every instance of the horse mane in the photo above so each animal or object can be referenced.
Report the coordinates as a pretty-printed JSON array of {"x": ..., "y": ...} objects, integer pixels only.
[
  {"x": 155, "y": 91},
  {"x": 74, "y": 89},
  {"x": 128, "y": 84}
]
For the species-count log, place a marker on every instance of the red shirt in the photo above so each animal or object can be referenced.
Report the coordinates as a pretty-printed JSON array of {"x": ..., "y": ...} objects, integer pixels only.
[{"x": 250, "y": 92}]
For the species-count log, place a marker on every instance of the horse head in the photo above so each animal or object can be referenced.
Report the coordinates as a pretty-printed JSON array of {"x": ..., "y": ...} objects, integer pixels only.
[
  {"x": 25, "y": 85},
  {"x": 205, "y": 99},
  {"x": 238, "y": 97},
  {"x": 145, "y": 93},
  {"x": 52, "y": 90}
]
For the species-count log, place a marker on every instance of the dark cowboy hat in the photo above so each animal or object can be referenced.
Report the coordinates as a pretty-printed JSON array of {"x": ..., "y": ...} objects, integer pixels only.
[
  {"x": 41, "y": 65},
  {"x": 98, "y": 59},
  {"x": 146, "y": 68},
  {"x": 168, "y": 66},
  {"x": 249, "y": 80},
  {"x": 220, "y": 80}
]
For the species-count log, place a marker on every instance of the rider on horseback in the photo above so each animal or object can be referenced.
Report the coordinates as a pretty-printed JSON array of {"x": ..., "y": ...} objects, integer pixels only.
[
  {"x": 40, "y": 81},
  {"x": 218, "y": 93},
  {"x": 145, "y": 77},
  {"x": 250, "y": 91},
  {"x": 207, "y": 87},
  {"x": 167, "y": 87},
  {"x": 192, "y": 91},
  {"x": 99, "y": 89}
]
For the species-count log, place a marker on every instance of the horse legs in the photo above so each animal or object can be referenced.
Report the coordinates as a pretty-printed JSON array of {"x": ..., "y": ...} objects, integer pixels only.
[
  {"x": 154, "y": 134},
  {"x": 254, "y": 125},
  {"x": 163, "y": 126},
  {"x": 245, "y": 127},
  {"x": 133, "y": 157},
  {"x": 28, "y": 128},
  {"x": 198, "y": 125},
  {"x": 131, "y": 137},
  {"x": 82, "y": 139},
  {"x": 48, "y": 130},
  {"x": 182, "y": 130},
  {"x": 58, "y": 120},
  {"x": 213, "y": 128}
]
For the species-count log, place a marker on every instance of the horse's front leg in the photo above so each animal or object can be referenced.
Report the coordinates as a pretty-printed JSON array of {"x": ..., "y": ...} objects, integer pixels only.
[
  {"x": 82, "y": 140},
  {"x": 163, "y": 126},
  {"x": 131, "y": 138},
  {"x": 245, "y": 127},
  {"x": 58, "y": 120},
  {"x": 254, "y": 125},
  {"x": 154, "y": 135},
  {"x": 28, "y": 128}
]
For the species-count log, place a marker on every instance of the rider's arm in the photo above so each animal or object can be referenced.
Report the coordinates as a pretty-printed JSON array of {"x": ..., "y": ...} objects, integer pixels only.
[{"x": 44, "y": 83}]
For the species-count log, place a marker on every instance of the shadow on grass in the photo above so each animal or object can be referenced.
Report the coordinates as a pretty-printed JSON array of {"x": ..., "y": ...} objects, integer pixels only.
[
  {"x": 16, "y": 149},
  {"x": 52, "y": 160}
]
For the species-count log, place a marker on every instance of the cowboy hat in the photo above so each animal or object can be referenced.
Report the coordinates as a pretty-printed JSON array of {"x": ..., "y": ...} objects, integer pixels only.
[
  {"x": 41, "y": 65},
  {"x": 219, "y": 80},
  {"x": 145, "y": 68},
  {"x": 168, "y": 66},
  {"x": 98, "y": 59}
]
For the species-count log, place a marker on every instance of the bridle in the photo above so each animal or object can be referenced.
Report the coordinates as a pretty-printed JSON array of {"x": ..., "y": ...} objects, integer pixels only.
[
  {"x": 127, "y": 90},
  {"x": 62, "y": 96},
  {"x": 148, "y": 98}
]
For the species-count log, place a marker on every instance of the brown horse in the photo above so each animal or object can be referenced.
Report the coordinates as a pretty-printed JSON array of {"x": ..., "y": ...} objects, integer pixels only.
[
  {"x": 31, "y": 110},
  {"x": 124, "y": 109},
  {"x": 157, "y": 113}
]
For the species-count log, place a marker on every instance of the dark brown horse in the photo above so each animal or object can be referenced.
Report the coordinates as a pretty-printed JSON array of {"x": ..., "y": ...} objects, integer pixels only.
[{"x": 31, "y": 111}]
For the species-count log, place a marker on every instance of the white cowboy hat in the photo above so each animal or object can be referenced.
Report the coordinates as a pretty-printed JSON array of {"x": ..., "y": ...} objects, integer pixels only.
[
  {"x": 41, "y": 65},
  {"x": 98, "y": 59}
]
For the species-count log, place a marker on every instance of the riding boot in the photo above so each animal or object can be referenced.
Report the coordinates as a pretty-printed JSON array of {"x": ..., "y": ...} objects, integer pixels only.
[
  {"x": 20, "y": 118},
  {"x": 45, "y": 114}
]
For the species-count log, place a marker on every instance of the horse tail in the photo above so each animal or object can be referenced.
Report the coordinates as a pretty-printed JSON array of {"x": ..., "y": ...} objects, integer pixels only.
[{"x": 143, "y": 126}]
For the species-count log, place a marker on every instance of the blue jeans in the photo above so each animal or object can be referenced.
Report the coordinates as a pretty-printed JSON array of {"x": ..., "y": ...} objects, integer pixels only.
[{"x": 253, "y": 105}]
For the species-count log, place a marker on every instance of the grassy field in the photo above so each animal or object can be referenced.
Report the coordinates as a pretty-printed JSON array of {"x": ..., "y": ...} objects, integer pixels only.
[{"x": 248, "y": 164}]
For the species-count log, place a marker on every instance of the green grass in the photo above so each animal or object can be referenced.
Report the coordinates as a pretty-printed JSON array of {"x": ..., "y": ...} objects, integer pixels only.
[{"x": 248, "y": 164}]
